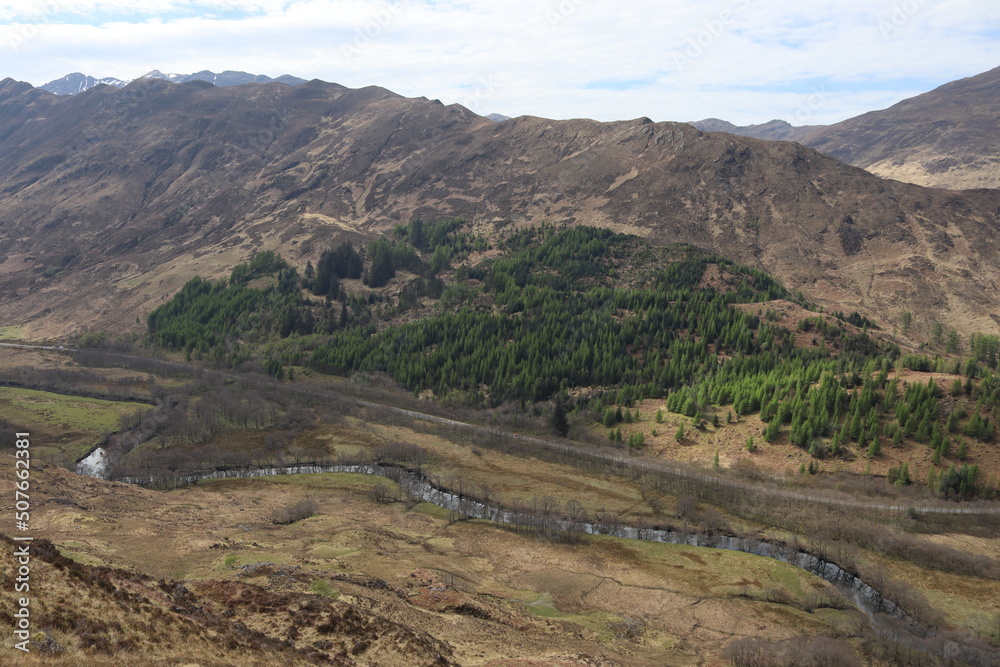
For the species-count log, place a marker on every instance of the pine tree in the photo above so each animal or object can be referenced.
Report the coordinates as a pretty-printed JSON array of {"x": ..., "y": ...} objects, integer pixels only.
[
  {"x": 381, "y": 270},
  {"x": 937, "y": 439},
  {"x": 952, "y": 424},
  {"x": 771, "y": 432},
  {"x": 309, "y": 276},
  {"x": 559, "y": 421},
  {"x": 875, "y": 448},
  {"x": 690, "y": 408},
  {"x": 954, "y": 342},
  {"x": 937, "y": 333}
]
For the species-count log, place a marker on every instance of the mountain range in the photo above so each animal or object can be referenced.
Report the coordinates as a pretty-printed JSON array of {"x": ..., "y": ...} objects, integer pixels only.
[
  {"x": 774, "y": 130},
  {"x": 112, "y": 198},
  {"x": 75, "y": 83},
  {"x": 944, "y": 138}
]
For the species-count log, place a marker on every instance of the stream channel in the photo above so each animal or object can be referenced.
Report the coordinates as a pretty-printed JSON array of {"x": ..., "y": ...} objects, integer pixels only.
[{"x": 868, "y": 599}]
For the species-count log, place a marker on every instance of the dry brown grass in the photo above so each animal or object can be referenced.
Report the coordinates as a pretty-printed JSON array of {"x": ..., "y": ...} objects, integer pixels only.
[
  {"x": 488, "y": 590},
  {"x": 491, "y": 594}
]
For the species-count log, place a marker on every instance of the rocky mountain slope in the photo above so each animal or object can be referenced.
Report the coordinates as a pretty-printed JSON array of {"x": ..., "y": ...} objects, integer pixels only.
[
  {"x": 946, "y": 138},
  {"x": 112, "y": 199},
  {"x": 75, "y": 83}
]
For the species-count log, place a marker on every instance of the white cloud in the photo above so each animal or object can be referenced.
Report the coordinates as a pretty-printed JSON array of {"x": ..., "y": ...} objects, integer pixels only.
[{"x": 742, "y": 60}]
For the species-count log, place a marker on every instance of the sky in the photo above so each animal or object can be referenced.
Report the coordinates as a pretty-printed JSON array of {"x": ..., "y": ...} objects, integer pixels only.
[{"x": 745, "y": 61}]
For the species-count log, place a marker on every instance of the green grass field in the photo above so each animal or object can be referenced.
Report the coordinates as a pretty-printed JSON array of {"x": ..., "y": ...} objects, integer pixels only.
[
  {"x": 63, "y": 428},
  {"x": 12, "y": 332}
]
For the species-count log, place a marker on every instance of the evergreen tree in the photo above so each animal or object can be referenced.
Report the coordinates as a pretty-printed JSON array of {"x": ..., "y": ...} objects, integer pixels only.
[
  {"x": 559, "y": 420},
  {"x": 771, "y": 432},
  {"x": 954, "y": 342},
  {"x": 346, "y": 262},
  {"x": 875, "y": 448},
  {"x": 309, "y": 276},
  {"x": 380, "y": 270},
  {"x": 416, "y": 234}
]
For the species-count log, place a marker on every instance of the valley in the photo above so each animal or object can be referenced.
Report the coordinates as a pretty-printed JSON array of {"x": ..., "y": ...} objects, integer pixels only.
[
  {"x": 192, "y": 530},
  {"x": 601, "y": 350},
  {"x": 286, "y": 400}
]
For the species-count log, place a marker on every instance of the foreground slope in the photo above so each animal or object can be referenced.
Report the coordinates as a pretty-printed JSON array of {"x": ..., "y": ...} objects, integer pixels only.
[
  {"x": 112, "y": 199},
  {"x": 203, "y": 574}
]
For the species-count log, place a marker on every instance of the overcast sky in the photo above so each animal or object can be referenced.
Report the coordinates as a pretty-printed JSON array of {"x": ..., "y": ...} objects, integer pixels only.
[{"x": 746, "y": 61}]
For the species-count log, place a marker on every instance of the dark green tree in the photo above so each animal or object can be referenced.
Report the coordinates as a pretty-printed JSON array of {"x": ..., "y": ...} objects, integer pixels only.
[{"x": 559, "y": 420}]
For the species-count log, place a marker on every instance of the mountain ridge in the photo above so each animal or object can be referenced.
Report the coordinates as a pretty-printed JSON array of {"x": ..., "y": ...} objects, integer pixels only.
[
  {"x": 773, "y": 130},
  {"x": 77, "y": 82},
  {"x": 172, "y": 180}
]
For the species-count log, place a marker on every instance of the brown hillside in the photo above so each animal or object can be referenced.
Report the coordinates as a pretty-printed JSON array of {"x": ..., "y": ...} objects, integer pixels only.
[
  {"x": 110, "y": 200},
  {"x": 946, "y": 138}
]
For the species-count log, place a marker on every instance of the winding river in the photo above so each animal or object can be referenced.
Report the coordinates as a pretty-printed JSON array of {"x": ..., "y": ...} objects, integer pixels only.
[
  {"x": 868, "y": 599},
  {"x": 418, "y": 486}
]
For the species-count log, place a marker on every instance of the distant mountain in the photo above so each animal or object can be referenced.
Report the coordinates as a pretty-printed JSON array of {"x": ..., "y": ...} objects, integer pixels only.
[
  {"x": 497, "y": 118},
  {"x": 172, "y": 78},
  {"x": 290, "y": 80},
  {"x": 73, "y": 84},
  {"x": 775, "y": 130},
  {"x": 946, "y": 138},
  {"x": 227, "y": 78}
]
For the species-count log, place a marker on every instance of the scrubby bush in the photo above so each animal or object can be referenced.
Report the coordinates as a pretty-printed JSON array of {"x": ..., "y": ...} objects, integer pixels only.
[
  {"x": 797, "y": 652},
  {"x": 293, "y": 513}
]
